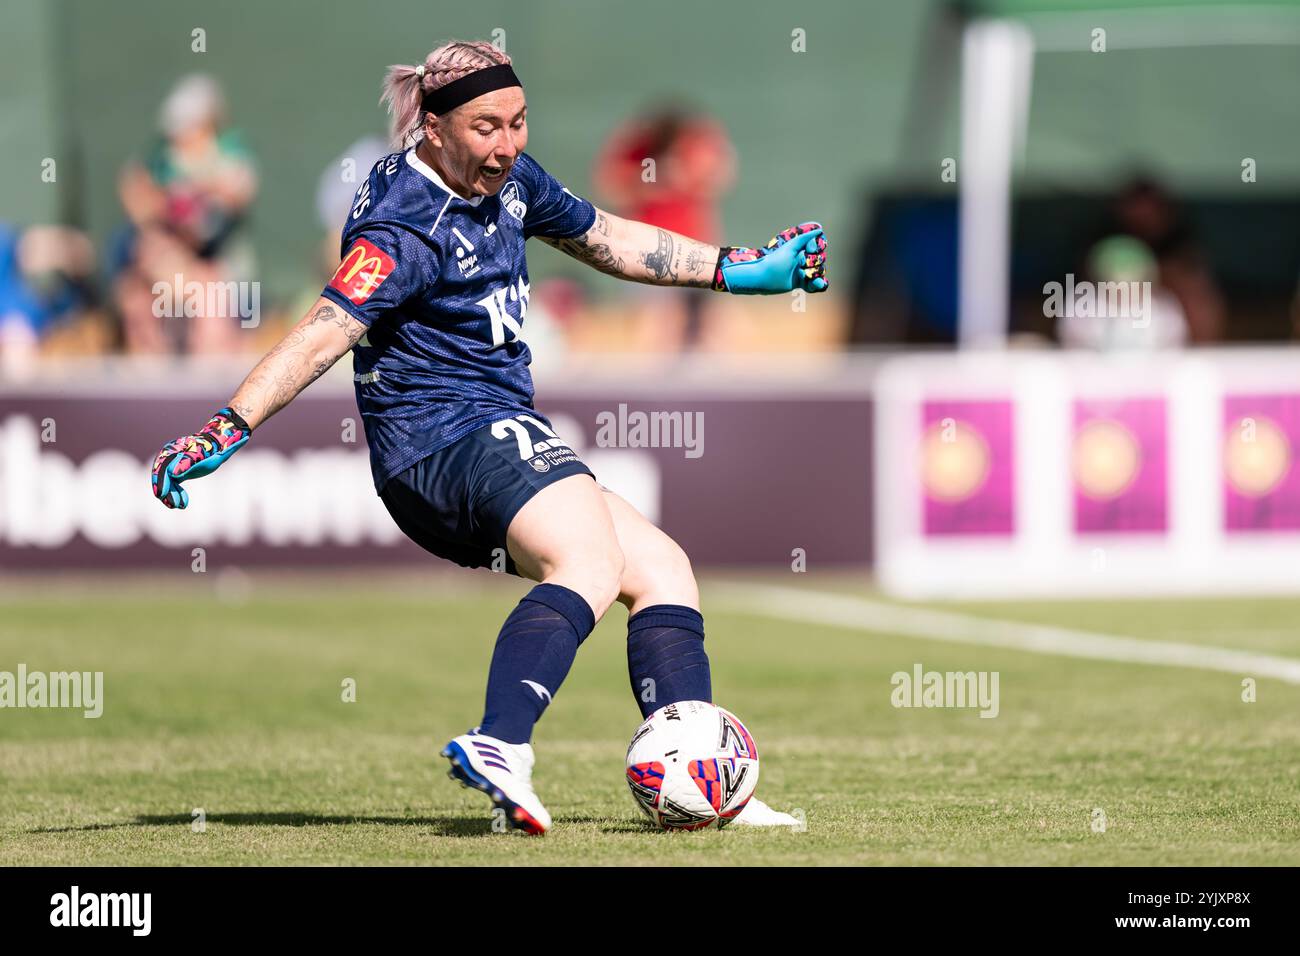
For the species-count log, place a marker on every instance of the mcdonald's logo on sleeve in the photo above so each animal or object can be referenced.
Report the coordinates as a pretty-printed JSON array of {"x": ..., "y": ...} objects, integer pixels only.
[{"x": 362, "y": 271}]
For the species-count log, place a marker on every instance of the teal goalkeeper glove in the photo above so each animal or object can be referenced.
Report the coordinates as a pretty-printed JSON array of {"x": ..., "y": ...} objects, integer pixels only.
[
  {"x": 794, "y": 259},
  {"x": 193, "y": 456}
]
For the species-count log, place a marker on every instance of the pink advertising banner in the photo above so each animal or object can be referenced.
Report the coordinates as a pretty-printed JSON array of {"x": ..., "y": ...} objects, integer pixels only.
[
  {"x": 1261, "y": 484},
  {"x": 967, "y": 467},
  {"x": 1119, "y": 466}
]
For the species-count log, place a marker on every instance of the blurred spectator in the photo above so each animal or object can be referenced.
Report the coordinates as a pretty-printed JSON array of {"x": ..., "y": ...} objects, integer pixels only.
[
  {"x": 552, "y": 310},
  {"x": 187, "y": 204},
  {"x": 336, "y": 188},
  {"x": 1145, "y": 211},
  {"x": 1155, "y": 322},
  {"x": 669, "y": 167},
  {"x": 45, "y": 274},
  {"x": 338, "y": 183}
]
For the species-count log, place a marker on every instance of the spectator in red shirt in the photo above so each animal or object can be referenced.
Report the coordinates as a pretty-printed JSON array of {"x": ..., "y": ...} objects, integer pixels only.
[{"x": 670, "y": 167}]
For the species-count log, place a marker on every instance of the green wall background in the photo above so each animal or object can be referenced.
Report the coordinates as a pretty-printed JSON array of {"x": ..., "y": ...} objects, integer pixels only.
[{"x": 83, "y": 79}]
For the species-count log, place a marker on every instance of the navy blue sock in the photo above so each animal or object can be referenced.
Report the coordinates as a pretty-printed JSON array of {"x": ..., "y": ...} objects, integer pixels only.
[
  {"x": 665, "y": 657},
  {"x": 534, "y": 652}
]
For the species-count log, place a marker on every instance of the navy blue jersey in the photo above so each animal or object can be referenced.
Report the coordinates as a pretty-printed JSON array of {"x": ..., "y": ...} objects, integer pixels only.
[{"x": 442, "y": 285}]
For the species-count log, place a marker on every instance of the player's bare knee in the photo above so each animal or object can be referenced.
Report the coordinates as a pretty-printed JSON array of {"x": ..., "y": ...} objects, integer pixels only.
[
  {"x": 678, "y": 575},
  {"x": 660, "y": 575},
  {"x": 596, "y": 575}
]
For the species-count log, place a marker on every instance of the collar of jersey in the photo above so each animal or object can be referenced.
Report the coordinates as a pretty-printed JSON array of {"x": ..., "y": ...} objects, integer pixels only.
[{"x": 427, "y": 171}]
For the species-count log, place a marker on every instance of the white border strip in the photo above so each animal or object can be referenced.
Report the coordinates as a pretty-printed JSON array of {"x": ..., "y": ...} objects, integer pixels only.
[{"x": 862, "y": 614}]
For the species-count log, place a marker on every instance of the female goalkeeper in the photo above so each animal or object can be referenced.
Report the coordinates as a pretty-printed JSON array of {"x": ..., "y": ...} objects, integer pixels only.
[{"x": 430, "y": 297}]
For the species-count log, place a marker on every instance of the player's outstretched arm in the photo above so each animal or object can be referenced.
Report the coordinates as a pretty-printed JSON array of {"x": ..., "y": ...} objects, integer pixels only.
[
  {"x": 301, "y": 357},
  {"x": 315, "y": 343},
  {"x": 640, "y": 252},
  {"x": 795, "y": 258}
]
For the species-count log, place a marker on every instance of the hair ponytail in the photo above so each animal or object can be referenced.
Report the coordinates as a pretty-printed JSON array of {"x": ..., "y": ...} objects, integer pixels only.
[
  {"x": 405, "y": 86},
  {"x": 403, "y": 91}
]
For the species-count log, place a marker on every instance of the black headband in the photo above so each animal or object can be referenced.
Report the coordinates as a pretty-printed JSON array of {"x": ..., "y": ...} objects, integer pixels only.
[{"x": 447, "y": 98}]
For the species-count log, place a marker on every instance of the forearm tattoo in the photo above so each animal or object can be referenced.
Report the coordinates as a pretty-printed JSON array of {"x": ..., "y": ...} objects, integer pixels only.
[
  {"x": 295, "y": 362},
  {"x": 590, "y": 248},
  {"x": 678, "y": 260},
  {"x": 329, "y": 315},
  {"x": 659, "y": 262},
  {"x": 656, "y": 256}
]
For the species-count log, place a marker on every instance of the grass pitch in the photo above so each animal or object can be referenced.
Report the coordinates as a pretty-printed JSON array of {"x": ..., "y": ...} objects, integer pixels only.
[{"x": 233, "y": 707}]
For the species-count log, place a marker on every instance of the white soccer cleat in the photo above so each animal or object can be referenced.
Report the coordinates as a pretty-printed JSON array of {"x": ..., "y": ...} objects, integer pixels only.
[
  {"x": 504, "y": 772},
  {"x": 758, "y": 814}
]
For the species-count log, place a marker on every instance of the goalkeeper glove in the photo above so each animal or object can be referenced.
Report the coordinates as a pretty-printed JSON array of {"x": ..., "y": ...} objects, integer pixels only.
[
  {"x": 193, "y": 456},
  {"x": 794, "y": 259}
]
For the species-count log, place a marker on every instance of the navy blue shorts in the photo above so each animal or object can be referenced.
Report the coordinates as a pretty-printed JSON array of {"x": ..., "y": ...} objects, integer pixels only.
[{"x": 458, "y": 502}]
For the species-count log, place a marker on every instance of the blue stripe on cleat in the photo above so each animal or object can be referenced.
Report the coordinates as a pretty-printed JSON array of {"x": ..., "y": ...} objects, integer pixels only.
[{"x": 463, "y": 770}]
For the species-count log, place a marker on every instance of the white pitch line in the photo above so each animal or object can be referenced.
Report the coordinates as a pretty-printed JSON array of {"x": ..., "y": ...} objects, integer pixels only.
[{"x": 863, "y": 614}]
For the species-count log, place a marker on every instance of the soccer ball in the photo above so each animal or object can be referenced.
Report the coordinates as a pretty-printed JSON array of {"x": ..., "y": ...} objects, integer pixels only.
[{"x": 692, "y": 765}]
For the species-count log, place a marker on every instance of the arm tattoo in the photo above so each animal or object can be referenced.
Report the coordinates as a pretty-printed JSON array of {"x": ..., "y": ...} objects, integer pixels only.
[
  {"x": 300, "y": 358},
  {"x": 599, "y": 255},
  {"x": 331, "y": 315},
  {"x": 660, "y": 261},
  {"x": 695, "y": 259},
  {"x": 288, "y": 344},
  {"x": 622, "y": 248},
  {"x": 603, "y": 258}
]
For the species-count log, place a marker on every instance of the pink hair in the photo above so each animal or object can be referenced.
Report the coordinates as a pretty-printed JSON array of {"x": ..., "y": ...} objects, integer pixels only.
[{"x": 404, "y": 87}]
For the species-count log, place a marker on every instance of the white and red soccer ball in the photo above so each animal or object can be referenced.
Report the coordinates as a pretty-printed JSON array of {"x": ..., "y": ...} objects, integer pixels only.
[{"x": 692, "y": 765}]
